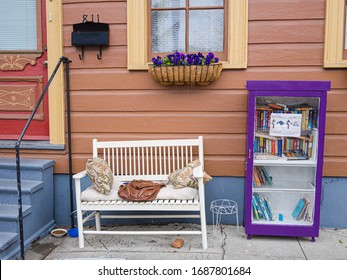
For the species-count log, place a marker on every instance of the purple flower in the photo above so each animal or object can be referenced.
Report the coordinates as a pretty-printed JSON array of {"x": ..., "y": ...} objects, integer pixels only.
[
  {"x": 157, "y": 61},
  {"x": 175, "y": 60},
  {"x": 210, "y": 55},
  {"x": 197, "y": 60},
  {"x": 190, "y": 61},
  {"x": 178, "y": 58}
]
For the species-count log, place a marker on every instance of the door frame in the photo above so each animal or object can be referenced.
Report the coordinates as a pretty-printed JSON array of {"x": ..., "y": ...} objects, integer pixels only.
[{"x": 54, "y": 17}]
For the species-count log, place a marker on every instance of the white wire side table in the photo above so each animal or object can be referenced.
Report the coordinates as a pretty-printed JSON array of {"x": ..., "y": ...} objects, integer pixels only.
[{"x": 221, "y": 207}]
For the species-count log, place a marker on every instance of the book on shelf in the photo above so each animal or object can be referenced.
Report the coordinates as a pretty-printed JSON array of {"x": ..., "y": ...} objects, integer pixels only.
[
  {"x": 310, "y": 145},
  {"x": 265, "y": 144},
  {"x": 261, "y": 177},
  {"x": 303, "y": 210},
  {"x": 308, "y": 213},
  {"x": 264, "y": 111},
  {"x": 277, "y": 106},
  {"x": 295, "y": 155},
  {"x": 261, "y": 207},
  {"x": 298, "y": 208},
  {"x": 256, "y": 209},
  {"x": 271, "y": 147},
  {"x": 261, "y": 156}
]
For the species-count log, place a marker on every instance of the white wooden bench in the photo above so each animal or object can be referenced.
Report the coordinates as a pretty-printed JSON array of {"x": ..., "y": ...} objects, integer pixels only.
[{"x": 150, "y": 160}]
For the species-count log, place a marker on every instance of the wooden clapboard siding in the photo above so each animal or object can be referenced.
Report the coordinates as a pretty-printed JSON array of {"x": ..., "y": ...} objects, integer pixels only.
[
  {"x": 337, "y": 100},
  {"x": 166, "y": 122},
  {"x": 334, "y": 166},
  {"x": 112, "y": 57},
  {"x": 108, "y": 102},
  {"x": 280, "y": 32},
  {"x": 335, "y": 145},
  {"x": 159, "y": 100},
  {"x": 111, "y": 79},
  {"x": 109, "y": 11},
  {"x": 286, "y": 10},
  {"x": 336, "y": 123},
  {"x": 285, "y": 54}
]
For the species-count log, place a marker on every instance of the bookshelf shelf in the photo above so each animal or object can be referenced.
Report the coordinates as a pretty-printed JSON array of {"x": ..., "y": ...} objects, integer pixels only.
[
  {"x": 305, "y": 187},
  {"x": 284, "y": 162},
  {"x": 285, "y": 144},
  {"x": 288, "y": 220}
]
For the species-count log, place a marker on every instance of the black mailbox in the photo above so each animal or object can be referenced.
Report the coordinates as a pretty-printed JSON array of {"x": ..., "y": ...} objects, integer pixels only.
[{"x": 90, "y": 34}]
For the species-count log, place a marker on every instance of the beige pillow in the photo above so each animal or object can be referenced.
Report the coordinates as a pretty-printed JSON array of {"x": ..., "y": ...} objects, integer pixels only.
[
  {"x": 100, "y": 174},
  {"x": 184, "y": 177}
]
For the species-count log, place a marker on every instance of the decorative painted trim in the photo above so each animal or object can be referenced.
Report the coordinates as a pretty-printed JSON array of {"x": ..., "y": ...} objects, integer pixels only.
[
  {"x": 17, "y": 61},
  {"x": 18, "y": 100},
  {"x": 138, "y": 35},
  {"x": 334, "y": 34},
  {"x": 54, "y": 10},
  {"x": 17, "y": 97}
]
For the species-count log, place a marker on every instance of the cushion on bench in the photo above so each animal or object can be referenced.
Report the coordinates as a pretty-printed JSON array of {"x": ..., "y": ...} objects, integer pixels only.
[{"x": 168, "y": 192}]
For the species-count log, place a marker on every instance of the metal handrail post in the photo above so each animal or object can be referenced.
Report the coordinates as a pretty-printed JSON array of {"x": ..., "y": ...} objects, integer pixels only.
[
  {"x": 20, "y": 205},
  {"x": 17, "y": 147},
  {"x": 67, "y": 88}
]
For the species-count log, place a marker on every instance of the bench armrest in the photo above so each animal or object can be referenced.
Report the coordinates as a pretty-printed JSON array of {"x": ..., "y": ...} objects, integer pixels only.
[
  {"x": 197, "y": 172},
  {"x": 80, "y": 175}
]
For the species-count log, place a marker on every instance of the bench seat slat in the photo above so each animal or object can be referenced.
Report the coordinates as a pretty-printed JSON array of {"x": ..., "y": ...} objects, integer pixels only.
[
  {"x": 124, "y": 202},
  {"x": 163, "y": 205}
]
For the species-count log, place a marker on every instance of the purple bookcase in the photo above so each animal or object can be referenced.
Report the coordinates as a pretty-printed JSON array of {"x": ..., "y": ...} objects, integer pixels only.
[{"x": 285, "y": 145}]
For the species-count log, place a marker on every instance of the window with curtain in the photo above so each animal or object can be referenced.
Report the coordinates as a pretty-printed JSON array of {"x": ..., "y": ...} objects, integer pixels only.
[
  {"x": 188, "y": 26},
  {"x": 18, "y": 23}
]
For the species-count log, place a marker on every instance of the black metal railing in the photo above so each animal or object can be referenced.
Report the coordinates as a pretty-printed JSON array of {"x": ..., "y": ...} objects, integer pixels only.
[{"x": 20, "y": 138}]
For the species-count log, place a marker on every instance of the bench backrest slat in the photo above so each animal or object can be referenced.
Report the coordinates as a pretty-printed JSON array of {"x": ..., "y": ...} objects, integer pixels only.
[{"x": 148, "y": 159}]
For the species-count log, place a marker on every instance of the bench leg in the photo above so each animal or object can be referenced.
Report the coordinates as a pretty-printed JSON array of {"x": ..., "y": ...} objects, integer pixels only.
[
  {"x": 204, "y": 235},
  {"x": 80, "y": 228},
  {"x": 97, "y": 221},
  {"x": 203, "y": 229}
]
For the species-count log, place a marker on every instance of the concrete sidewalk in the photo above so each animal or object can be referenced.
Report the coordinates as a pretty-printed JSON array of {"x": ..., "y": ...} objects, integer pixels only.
[{"x": 228, "y": 244}]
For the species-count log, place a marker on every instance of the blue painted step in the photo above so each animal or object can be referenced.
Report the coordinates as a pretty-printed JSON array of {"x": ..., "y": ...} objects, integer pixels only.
[
  {"x": 7, "y": 239},
  {"x": 37, "y": 199},
  {"x": 9, "y": 216},
  {"x": 9, "y": 191},
  {"x": 30, "y": 169}
]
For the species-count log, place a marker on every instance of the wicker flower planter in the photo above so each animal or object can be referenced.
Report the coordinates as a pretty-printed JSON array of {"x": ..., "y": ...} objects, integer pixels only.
[{"x": 187, "y": 74}]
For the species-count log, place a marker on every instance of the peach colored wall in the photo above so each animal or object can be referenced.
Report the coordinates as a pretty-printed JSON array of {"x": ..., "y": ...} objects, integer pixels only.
[{"x": 286, "y": 42}]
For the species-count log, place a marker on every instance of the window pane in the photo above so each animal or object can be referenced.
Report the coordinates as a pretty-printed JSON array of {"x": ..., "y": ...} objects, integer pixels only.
[
  {"x": 201, "y": 3},
  {"x": 168, "y": 3},
  {"x": 168, "y": 31},
  {"x": 18, "y": 25},
  {"x": 206, "y": 30}
]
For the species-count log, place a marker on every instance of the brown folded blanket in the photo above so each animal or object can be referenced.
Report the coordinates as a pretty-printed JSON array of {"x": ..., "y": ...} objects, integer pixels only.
[{"x": 139, "y": 190}]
